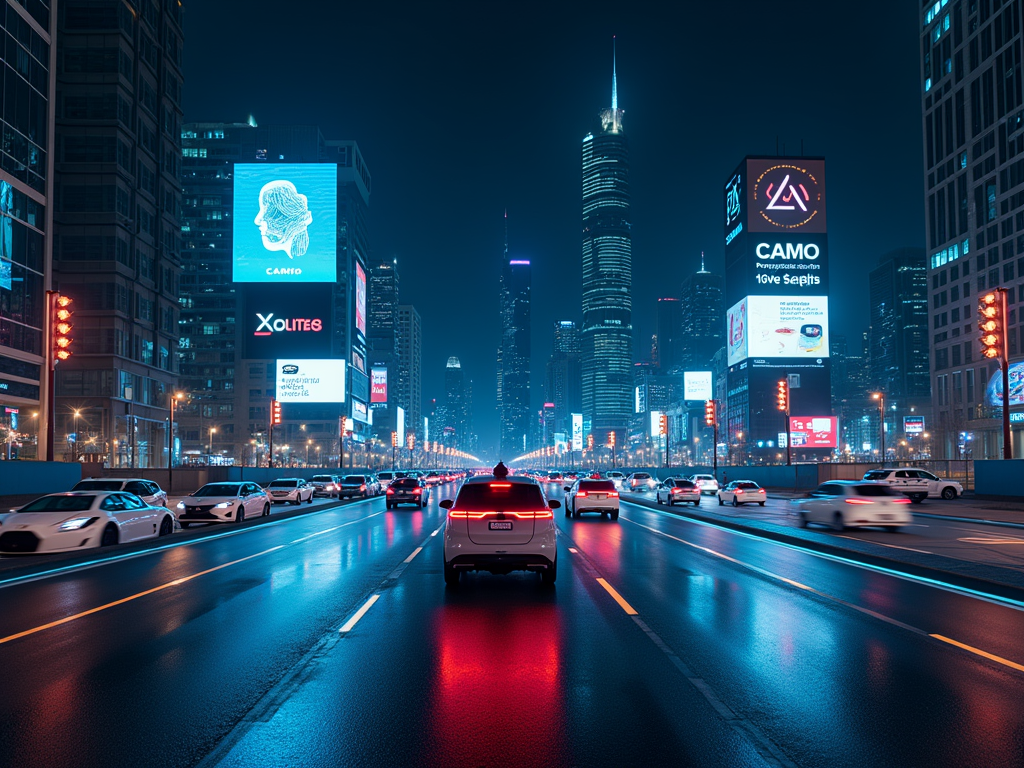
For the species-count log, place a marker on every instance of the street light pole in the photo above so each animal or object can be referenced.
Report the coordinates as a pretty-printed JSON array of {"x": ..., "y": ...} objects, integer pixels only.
[{"x": 881, "y": 417}]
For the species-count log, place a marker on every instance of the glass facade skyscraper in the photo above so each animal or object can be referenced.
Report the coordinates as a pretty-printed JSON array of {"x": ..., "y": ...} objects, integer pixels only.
[
  {"x": 516, "y": 278},
  {"x": 607, "y": 278},
  {"x": 702, "y": 319}
]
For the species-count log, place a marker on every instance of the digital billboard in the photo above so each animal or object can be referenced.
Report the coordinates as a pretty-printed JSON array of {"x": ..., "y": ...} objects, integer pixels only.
[
  {"x": 310, "y": 381},
  {"x": 401, "y": 426},
  {"x": 913, "y": 425},
  {"x": 736, "y": 328},
  {"x": 785, "y": 194},
  {"x": 379, "y": 385},
  {"x": 291, "y": 323},
  {"x": 786, "y": 326},
  {"x": 361, "y": 413},
  {"x": 994, "y": 391},
  {"x": 577, "y": 431},
  {"x": 697, "y": 385},
  {"x": 285, "y": 223},
  {"x": 360, "y": 299},
  {"x": 813, "y": 431}
]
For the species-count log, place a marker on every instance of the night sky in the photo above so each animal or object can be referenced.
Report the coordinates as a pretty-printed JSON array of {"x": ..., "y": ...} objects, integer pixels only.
[{"x": 462, "y": 111}]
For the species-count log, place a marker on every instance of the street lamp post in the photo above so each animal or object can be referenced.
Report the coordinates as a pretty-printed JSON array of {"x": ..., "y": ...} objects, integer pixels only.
[
  {"x": 213, "y": 431},
  {"x": 881, "y": 417},
  {"x": 170, "y": 442},
  {"x": 74, "y": 453}
]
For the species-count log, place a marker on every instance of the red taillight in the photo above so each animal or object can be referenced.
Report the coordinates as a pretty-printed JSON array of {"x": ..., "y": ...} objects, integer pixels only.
[
  {"x": 739, "y": 490},
  {"x": 417, "y": 490},
  {"x": 390, "y": 491},
  {"x": 677, "y": 490},
  {"x": 500, "y": 485},
  {"x": 527, "y": 515},
  {"x": 900, "y": 501},
  {"x": 614, "y": 494},
  {"x": 859, "y": 501},
  {"x": 581, "y": 494},
  {"x": 362, "y": 487}
]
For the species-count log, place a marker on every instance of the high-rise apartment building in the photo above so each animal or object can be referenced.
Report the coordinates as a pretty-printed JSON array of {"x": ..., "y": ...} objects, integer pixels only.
[
  {"x": 607, "y": 277},
  {"x": 516, "y": 329},
  {"x": 564, "y": 376},
  {"x": 410, "y": 367},
  {"x": 26, "y": 212},
  {"x": 898, "y": 297},
  {"x": 703, "y": 318},
  {"x": 118, "y": 225},
  {"x": 972, "y": 97}
]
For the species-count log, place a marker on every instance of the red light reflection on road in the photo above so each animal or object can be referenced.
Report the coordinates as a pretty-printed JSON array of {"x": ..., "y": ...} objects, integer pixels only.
[{"x": 495, "y": 697}]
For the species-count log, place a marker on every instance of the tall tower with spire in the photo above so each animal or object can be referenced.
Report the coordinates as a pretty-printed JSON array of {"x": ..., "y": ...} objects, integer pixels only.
[
  {"x": 514, "y": 354},
  {"x": 606, "y": 335},
  {"x": 703, "y": 318}
]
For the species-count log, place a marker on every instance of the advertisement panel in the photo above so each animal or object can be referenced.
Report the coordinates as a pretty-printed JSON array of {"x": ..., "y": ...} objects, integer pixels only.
[
  {"x": 994, "y": 391},
  {"x": 785, "y": 195},
  {"x": 294, "y": 322},
  {"x": 360, "y": 299},
  {"x": 360, "y": 412},
  {"x": 913, "y": 425},
  {"x": 577, "y": 431},
  {"x": 379, "y": 385},
  {"x": 736, "y": 328},
  {"x": 655, "y": 423},
  {"x": 285, "y": 223},
  {"x": 401, "y": 426},
  {"x": 697, "y": 385},
  {"x": 310, "y": 381},
  {"x": 785, "y": 326},
  {"x": 813, "y": 431}
]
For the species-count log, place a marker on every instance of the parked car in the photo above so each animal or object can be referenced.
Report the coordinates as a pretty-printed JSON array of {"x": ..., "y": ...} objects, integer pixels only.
[
  {"x": 66, "y": 522},
  {"x": 676, "y": 490},
  {"x": 707, "y": 484},
  {"x": 325, "y": 485},
  {"x": 591, "y": 496},
  {"x": 916, "y": 484},
  {"x": 854, "y": 503},
  {"x": 741, "y": 492},
  {"x": 293, "y": 489},
  {"x": 358, "y": 486},
  {"x": 407, "y": 490},
  {"x": 223, "y": 503},
  {"x": 639, "y": 482},
  {"x": 147, "y": 490}
]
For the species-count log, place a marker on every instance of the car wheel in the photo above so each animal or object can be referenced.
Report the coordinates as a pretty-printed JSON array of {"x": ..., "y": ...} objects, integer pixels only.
[
  {"x": 657, "y": 498},
  {"x": 837, "y": 522},
  {"x": 547, "y": 577},
  {"x": 110, "y": 536},
  {"x": 949, "y": 493},
  {"x": 917, "y": 498},
  {"x": 696, "y": 502},
  {"x": 604, "y": 515},
  {"x": 615, "y": 515},
  {"x": 451, "y": 576},
  {"x": 734, "y": 502},
  {"x": 240, "y": 513},
  {"x": 310, "y": 499},
  {"x": 761, "y": 503},
  {"x": 720, "y": 502},
  {"x": 803, "y": 519},
  {"x": 266, "y": 510},
  {"x": 166, "y": 526},
  {"x": 184, "y": 525},
  {"x": 567, "y": 510},
  {"x": 389, "y": 505}
]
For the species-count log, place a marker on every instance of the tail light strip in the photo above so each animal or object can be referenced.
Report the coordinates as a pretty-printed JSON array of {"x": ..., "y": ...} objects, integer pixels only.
[{"x": 542, "y": 514}]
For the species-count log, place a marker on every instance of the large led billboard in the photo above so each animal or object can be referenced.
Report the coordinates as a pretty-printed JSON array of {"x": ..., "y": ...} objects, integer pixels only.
[
  {"x": 813, "y": 431},
  {"x": 577, "y": 431},
  {"x": 994, "y": 391},
  {"x": 785, "y": 195},
  {"x": 285, "y": 223},
  {"x": 310, "y": 381},
  {"x": 697, "y": 385},
  {"x": 378, "y": 385},
  {"x": 736, "y": 330},
  {"x": 360, "y": 299},
  {"x": 778, "y": 327},
  {"x": 294, "y": 322}
]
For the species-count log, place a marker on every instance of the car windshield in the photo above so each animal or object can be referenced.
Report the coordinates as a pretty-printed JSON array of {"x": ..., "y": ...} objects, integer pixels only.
[
  {"x": 218, "y": 489},
  {"x": 406, "y": 482},
  {"x": 59, "y": 504},
  {"x": 597, "y": 485},
  {"x": 354, "y": 480},
  {"x": 499, "y": 496},
  {"x": 99, "y": 485},
  {"x": 874, "y": 490},
  {"x": 283, "y": 484},
  {"x": 877, "y": 474},
  {"x": 747, "y": 484},
  {"x": 684, "y": 484},
  {"x": 321, "y": 479}
]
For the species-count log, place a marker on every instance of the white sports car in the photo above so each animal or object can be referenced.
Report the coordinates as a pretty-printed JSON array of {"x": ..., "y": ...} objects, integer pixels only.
[{"x": 64, "y": 522}]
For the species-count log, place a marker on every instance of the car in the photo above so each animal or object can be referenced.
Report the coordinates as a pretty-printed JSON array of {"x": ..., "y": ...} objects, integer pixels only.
[
  {"x": 591, "y": 496},
  {"x": 407, "y": 490},
  {"x": 707, "y": 483},
  {"x": 500, "y": 525},
  {"x": 293, "y": 489},
  {"x": 855, "y": 503},
  {"x": 386, "y": 477},
  {"x": 676, "y": 490},
  {"x": 73, "y": 520},
  {"x": 432, "y": 479},
  {"x": 325, "y": 485},
  {"x": 358, "y": 486},
  {"x": 554, "y": 476},
  {"x": 147, "y": 490},
  {"x": 639, "y": 482},
  {"x": 741, "y": 492},
  {"x": 227, "y": 502},
  {"x": 916, "y": 484}
]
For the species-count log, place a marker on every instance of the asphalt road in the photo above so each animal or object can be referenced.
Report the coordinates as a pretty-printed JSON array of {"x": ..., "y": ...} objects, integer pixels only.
[{"x": 707, "y": 647}]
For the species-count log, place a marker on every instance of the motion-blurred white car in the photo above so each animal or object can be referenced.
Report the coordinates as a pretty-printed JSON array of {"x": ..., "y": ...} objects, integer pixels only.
[
  {"x": 855, "y": 503},
  {"x": 676, "y": 490},
  {"x": 707, "y": 483},
  {"x": 223, "y": 503},
  {"x": 64, "y": 522}
]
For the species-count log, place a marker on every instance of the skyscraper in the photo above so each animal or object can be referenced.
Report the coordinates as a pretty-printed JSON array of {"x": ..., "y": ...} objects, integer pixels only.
[
  {"x": 564, "y": 376},
  {"x": 383, "y": 348},
  {"x": 702, "y": 318},
  {"x": 607, "y": 277},
  {"x": 26, "y": 205},
  {"x": 456, "y": 412},
  {"x": 898, "y": 355},
  {"x": 117, "y": 224},
  {"x": 515, "y": 355},
  {"x": 410, "y": 367}
]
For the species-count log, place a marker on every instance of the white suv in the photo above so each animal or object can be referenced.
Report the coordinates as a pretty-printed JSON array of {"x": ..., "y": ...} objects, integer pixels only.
[
  {"x": 293, "y": 489},
  {"x": 500, "y": 525},
  {"x": 916, "y": 484}
]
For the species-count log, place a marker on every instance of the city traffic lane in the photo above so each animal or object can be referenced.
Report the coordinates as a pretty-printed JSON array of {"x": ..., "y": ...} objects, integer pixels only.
[
  {"x": 498, "y": 671},
  {"x": 995, "y": 627},
  {"x": 832, "y": 686},
  {"x": 159, "y": 680}
]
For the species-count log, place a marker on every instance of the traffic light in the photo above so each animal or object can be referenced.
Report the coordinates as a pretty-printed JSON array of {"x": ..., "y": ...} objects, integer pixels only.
[
  {"x": 394, "y": 439},
  {"x": 991, "y": 324},
  {"x": 590, "y": 442},
  {"x": 710, "y": 416},
  {"x": 663, "y": 424},
  {"x": 611, "y": 439},
  {"x": 275, "y": 412},
  {"x": 782, "y": 396},
  {"x": 410, "y": 441},
  {"x": 61, "y": 328}
]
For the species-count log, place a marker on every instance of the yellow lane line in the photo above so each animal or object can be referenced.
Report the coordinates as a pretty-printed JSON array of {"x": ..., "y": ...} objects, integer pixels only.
[
  {"x": 979, "y": 652},
  {"x": 617, "y": 597}
]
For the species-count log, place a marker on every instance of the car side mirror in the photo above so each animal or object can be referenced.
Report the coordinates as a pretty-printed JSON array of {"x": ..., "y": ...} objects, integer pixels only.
[
  {"x": 566, "y": 488},
  {"x": 554, "y": 504},
  {"x": 446, "y": 504}
]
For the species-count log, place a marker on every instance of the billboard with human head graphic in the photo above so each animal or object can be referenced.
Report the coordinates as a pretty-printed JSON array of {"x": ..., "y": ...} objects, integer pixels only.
[{"x": 285, "y": 223}]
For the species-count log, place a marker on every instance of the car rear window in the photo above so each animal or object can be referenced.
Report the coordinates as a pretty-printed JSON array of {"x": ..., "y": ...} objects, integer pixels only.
[
  {"x": 99, "y": 485},
  {"x": 642, "y": 476},
  {"x": 406, "y": 482},
  {"x": 685, "y": 484},
  {"x": 874, "y": 490},
  {"x": 283, "y": 484},
  {"x": 321, "y": 479},
  {"x": 59, "y": 504},
  {"x": 355, "y": 479},
  {"x": 747, "y": 485},
  {"x": 485, "y": 497},
  {"x": 876, "y": 474},
  {"x": 597, "y": 485}
]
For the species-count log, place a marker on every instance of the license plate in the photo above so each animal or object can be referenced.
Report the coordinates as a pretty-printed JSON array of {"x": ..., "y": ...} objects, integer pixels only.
[
  {"x": 501, "y": 525},
  {"x": 600, "y": 496}
]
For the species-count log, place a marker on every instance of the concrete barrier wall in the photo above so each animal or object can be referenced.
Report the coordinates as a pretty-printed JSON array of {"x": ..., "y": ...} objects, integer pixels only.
[
  {"x": 187, "y": 479},
  {"x": 999, "y": 478},
  {"x": 19, "y": 478},
  {"x": 796, "y": 477}
]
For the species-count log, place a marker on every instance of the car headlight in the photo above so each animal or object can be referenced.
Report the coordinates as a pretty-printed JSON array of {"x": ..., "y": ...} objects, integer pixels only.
[
  {"x": 76, "y": 524},
  {"x": 222, "y": 505},
  {"x": 181, "y": 505}
]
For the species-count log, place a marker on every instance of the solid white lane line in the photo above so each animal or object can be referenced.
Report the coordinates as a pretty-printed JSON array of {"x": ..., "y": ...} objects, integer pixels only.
[
  {"x": 414, "y": 553},
  {"x": 347, "y": 626},
  {"x": 879, "y": 543}
]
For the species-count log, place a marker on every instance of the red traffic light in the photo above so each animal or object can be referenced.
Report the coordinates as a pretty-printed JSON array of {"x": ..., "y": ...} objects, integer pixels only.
[
  {"x": 710, "y": 415},
  {"x": 991, "y": 323},
  {"x": 394, "y": 439},
  {"x": 62, "y": 327},
  {"x": 782, "y": 395},
  {"x": 275, "y": 412}
]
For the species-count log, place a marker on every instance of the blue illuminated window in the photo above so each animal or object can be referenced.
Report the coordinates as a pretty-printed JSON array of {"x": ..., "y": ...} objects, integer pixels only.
[
  {"x": 928, "y": 84},
  {"x": 967, "y": 246}
]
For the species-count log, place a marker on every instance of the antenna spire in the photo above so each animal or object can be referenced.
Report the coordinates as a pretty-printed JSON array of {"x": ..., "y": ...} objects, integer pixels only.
[{"x": 615, "y": 87}]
